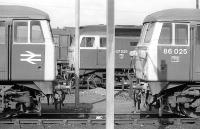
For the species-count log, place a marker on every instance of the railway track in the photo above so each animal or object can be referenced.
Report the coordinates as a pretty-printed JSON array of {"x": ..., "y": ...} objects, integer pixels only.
[
  {"x": 90, "y": 118},
  {"x": 98, "y": 121},
  {"x": 90, "y": 122}
]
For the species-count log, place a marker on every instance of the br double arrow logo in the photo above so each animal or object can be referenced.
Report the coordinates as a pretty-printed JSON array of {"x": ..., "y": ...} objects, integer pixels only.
[{"x": 31, "y": 57}]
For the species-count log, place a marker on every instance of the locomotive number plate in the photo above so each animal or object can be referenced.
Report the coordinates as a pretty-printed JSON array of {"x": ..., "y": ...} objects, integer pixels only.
[
  {"x": 121, "y": 51},
  {"x": 176, "y": 51}
]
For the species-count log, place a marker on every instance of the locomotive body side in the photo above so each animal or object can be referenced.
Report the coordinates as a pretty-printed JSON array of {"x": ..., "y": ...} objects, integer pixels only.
[
  {"x": 27, "y": 58},
  {"x": 94, "y": 56},
  {"x": 158, "y": 61},
  {"x": 167, "y": 60},
  {"x": 27, "y": 46},
  {"x": 33, "y": 59},
  {"x": 93, "y": 46}
]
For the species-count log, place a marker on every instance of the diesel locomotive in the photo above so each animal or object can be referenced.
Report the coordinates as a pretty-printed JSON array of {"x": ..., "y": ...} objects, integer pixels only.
[
  {"x": 167, "y": 61},
  {"x": 93, "y": 54},
  {"x": 27, "y": 58}
]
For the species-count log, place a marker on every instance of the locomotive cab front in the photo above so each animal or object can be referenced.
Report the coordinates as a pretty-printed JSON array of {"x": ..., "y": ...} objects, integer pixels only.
[
  {"x": 167, "y": 59},
  {"x": 26, "y": 45},
  {"x": 27, "y": 56},
  {"x": 164, "y": 51},
  {"x": 32, "y": 51}
]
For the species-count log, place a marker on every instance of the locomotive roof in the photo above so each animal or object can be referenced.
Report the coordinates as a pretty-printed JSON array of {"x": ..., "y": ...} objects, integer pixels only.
[
  {"x": 120, "y": 30},
  {"x": 59, "y": 32},
  {"x": 174, "y": 15},
  {"x": 15, "y": 11}
]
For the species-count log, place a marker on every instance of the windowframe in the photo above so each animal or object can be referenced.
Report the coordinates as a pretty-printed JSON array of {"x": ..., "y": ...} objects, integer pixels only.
[
  {"x": 188, "y": 34},
  {"x": 149, "y": 33},
  {"x": 88, "y": 36},
  {"x": 144, "y": 33},
  {"x": 100, "y": 42},
  {"x": 41, "y": 30},
  {"x": 15, "y": 31},
  {"x": 173, "y": 35},
  {"x": 29, "y": 32}
]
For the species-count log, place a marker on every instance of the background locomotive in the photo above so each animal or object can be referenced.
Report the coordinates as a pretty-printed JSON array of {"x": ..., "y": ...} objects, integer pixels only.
[
  {"x": 93, "y": 54},
  {"x": 167, "y": 60},
  {"x": 27, "y": 58}
]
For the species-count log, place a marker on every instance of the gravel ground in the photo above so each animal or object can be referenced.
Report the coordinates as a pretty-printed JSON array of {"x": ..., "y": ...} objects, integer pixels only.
[
  {"x": 97, "y": 97},
  {"x": 123, "y": 104}
]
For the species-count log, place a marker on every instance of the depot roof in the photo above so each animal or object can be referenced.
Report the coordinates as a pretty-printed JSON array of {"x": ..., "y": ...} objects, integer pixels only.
[
  {"x": 22, "y": 12},
  {"x": 174, "y": 15}
]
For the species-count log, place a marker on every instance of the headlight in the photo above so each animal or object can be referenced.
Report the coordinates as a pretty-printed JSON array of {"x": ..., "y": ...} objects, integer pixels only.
[{"x": 133, "y": 53}]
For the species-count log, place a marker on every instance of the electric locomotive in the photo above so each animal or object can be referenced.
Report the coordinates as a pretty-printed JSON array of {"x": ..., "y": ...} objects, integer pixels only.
[
  {"x": 27, "y": 58},
  {"x": 167, "y": 61}
]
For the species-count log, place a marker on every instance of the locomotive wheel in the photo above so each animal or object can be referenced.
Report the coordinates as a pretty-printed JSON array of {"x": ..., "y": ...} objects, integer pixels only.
[
  {"x": 189, "y": 112},
  {"x": 92, "y": 85},
  {"x": 181, "y": 110},
  {"x": 93, "y": 81}
]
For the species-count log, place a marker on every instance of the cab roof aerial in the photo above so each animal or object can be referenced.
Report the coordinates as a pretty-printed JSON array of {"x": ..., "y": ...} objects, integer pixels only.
[
  {"x": 174, "y": 15},
  {"x": 21, "y": 12}
]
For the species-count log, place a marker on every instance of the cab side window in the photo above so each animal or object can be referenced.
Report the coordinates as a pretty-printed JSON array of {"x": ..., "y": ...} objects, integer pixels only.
[
  {"x": 181, "y": 34},
  {"x": 149, "y": 33},
  {"x": 103, "y": 42},
  {"x": 166, "y": 34},
  {"x": 133, "y": 43},
  {"x": 87, "y": 42},
  {"x": 21, "y": 32},
  {"x": 36, "y": 32}
]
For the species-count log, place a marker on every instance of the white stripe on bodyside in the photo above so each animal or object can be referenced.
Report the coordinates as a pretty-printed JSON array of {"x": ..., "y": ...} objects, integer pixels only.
[
  {"x": 152, "y": 54},
  {"x": 49, "y": 70}
]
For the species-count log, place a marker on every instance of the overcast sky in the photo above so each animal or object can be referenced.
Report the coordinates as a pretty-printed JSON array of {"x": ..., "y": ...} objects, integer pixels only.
[{"x": 93, "y": 12}]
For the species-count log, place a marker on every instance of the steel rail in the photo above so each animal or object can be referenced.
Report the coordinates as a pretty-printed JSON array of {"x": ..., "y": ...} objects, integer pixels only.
[{"x": 154, "y": 121}]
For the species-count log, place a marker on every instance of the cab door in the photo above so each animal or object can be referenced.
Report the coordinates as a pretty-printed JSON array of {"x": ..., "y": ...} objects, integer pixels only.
[
  {"x": 28, "y": 50},
  {"x": 101, "y": 58},
  {"x": 195, "y": 38},
  {"x": 88, "y": 52},
  {"x": 4, "y": 49},
  {"x": 174, "y": 52}
]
